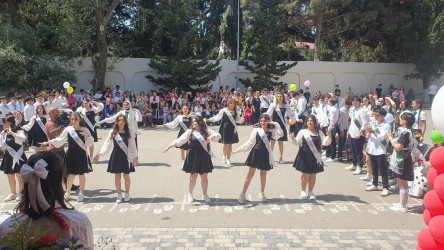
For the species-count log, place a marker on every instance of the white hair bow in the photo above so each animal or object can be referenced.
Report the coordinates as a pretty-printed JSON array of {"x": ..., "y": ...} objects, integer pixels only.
[{"x": 32, "y": 176}]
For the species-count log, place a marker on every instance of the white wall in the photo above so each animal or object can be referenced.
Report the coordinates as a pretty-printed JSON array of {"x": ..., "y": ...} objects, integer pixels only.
[{"x": 130, "y": 74}]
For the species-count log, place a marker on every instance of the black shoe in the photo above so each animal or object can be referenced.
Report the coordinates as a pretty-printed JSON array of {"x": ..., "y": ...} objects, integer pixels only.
[
  {"x": 74, "y": 187},
  {"x": 340, "y": 160}
]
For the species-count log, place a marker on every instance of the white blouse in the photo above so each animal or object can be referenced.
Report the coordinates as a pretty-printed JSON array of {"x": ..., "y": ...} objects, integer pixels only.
[
  {"x": 185, "y": 137},
  {"x": 218, "y": 117},
  {"x": 132, "y": 149},
  {"x": 19, "y": 137},
  {"x": 298, "y": 140},
  {"x": 63, "y": 138},
  {"x": 276, "y": 133}
]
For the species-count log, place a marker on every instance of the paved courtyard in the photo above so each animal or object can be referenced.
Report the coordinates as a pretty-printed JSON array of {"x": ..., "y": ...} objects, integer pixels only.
[{"x": 158, "y": 216}]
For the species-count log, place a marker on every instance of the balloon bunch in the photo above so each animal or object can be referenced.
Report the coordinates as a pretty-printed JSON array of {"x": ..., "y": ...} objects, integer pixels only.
[{"x": 433, "y": 236}]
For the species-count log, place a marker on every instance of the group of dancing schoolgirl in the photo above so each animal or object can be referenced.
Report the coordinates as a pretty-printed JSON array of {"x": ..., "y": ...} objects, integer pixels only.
[
  {"x": 194, "y": 140},
  {"x": 80, "y": 136}
]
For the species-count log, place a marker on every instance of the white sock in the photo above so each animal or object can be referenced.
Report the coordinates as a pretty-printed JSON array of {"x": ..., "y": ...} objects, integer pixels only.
[{"x": 403, "y": 196}]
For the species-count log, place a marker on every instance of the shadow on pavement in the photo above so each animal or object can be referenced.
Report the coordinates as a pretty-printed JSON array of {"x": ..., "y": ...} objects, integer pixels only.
[
  {"x": 154, "y": 164},
  {"x": 339, "y": 197}
]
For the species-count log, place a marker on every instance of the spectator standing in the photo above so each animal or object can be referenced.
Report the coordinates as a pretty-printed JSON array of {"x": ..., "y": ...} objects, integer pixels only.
[
  {"x": 379, "y": 91},
  {"x": 432, "y": 92}
]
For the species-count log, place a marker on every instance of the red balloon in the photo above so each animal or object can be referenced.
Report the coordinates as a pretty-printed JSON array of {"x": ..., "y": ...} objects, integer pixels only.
[
  {"x": 436, "y": 228},
  {"x": 437, "y": 160},
  {"x": 427, "y": 216},
  {"x": 427, "y": 242},
  {"x": 431, "y": 176},
  {"x": 433, "y": 203},
  {"x": 439, "y": 186}
]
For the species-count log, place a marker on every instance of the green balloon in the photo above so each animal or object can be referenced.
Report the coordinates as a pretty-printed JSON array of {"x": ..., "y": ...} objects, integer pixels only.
[{"x": 436, "y": 137}]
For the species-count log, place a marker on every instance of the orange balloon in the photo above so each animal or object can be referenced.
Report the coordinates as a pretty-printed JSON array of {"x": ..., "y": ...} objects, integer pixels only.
[{"x": 291, "y": 122}]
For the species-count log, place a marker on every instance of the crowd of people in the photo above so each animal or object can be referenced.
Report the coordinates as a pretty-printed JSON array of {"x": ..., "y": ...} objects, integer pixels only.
[{"x": 376, "y": 131}]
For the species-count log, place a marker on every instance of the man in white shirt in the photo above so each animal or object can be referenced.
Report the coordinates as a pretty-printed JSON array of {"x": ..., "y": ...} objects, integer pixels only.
[
  {"x": 52, "y": 103},
  {"x": 39, "y": 101},
  {"x": 301, "y": 110},
  {"x": 117, "y": 90},
  {"x": 4, "y": 108},
  {"x": 98, "y": 94},
  {"x": 13, "y": 105},
  {"x": 343, "y": 125},
  {"x": 333, "y": 119},
  {"x": 62, "y": 99},
  {"x": 265, "y": 101},
  {"x": 432, "y": 92},
  {"x": 20, "y": 104},
  {"x": 357, "y": 128},
  {"x": 29, "y": 110},
  {"x": 376, "y": 148}
]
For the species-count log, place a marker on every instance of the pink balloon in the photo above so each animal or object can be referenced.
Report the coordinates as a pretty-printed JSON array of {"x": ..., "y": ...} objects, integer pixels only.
[
  {"x": 426, "y": 241},
  {"x": 433, "y": 203},
  {"x": 437, "y": 159},
  {"x": 431, "y": 176},
  {"x": 439, "y": 186},
  {"x": 307, "y": 83},
  {"x": 436, "y": 228},
  {"x": 427, "y": 216}
]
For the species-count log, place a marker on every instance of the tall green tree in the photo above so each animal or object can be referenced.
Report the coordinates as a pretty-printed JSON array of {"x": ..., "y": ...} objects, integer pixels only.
[
  {"x": 262, "y": 50},
  {"x": 177, "y": 40}
]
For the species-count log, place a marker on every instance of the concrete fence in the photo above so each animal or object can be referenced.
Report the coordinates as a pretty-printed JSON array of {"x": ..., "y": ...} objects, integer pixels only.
[{"x": 130, "y": 74}]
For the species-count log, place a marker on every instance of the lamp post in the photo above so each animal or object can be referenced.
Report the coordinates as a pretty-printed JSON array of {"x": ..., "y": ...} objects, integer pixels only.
[{"x": 238, "y": 34}]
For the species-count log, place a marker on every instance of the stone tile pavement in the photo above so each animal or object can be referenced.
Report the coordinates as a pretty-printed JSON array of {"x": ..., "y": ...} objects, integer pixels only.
[{"x": 253, "y": 238}]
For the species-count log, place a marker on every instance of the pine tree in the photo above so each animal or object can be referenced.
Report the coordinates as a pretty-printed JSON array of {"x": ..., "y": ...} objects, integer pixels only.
[
  {"x": 176, "y": 42},
  {"x": 262, "y": 50}
]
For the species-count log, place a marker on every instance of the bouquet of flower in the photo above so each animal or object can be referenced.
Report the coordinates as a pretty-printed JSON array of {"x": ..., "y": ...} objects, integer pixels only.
[{"x": 19, "y": 239}]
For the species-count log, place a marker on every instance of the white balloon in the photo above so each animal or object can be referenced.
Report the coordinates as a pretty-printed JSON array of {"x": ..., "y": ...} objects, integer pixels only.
[
  {"x": 389, "y": 118},
  {"x": 437, "y": 113},
  {"x": 66, "y": 85}
]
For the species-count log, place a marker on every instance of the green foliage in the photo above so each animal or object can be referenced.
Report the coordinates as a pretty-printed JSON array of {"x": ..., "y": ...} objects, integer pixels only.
[
  {"x": 25, "y": 66},
  {"x": 177, "y": 42},
  {"x": 263, "y": 46}
]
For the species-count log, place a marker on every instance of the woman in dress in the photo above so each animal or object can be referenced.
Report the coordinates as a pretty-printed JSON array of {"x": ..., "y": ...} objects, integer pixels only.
[
  {"x": 401, "y": 94},
  {"x": 77, "y": 160},
  {"x": 401, "y": 160},
  {"x": 198, "y": 160},
  {"x": 256, "y": 107},
  {"x": 279, "y": 112},
  {"x": 50, "y": 214},
  {"x": 309, "y": 158},
  {"x": 36, "y": 128},
  {"x": 261, "y": 156},
  {"x": 123, "y": 157},
  {"x": 166, "y": 113},
  {"x": 88, "y": 112},
  {"x": 11, "y": 141},
  {"x": 185, "y": 123},
  {"x": 228, "y": 128}
]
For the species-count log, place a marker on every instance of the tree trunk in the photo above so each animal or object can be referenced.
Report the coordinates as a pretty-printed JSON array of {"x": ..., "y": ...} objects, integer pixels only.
[
  {"x": 100, "y": 57},
  {"x": 12, "y": 10},
  {"x": 317, "y": 54}
]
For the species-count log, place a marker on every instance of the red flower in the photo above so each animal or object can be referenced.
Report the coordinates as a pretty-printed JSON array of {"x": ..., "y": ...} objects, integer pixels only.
[{"x": 43, "y": 241}]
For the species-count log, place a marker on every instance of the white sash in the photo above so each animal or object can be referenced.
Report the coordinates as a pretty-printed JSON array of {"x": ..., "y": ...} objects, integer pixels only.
[
  {"x": 123, "y": 147},
  {"x": 203, "y": 143},
  {"x": 40, "y": 123},
  {"x": 230, "y": 116},
  {"x": 16, "y": 155},
  {"x": 264, "y": 138},
  {"x": 184, "y": 127},
  {"x": 81, "y": 144},
  {"x": 278, "y": 111},
  {"x": 312, "y": 147},
  {"x": 87, "y": 121}
]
